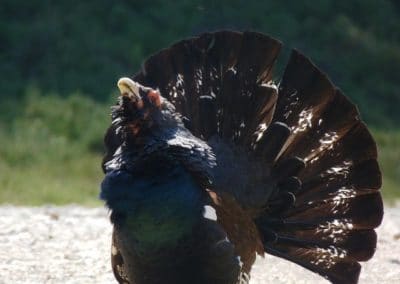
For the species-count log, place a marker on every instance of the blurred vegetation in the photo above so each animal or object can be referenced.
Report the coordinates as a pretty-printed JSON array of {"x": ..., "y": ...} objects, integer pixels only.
[
  {"x": 59, "y": 61},
  {"x": 389, "y": 160},
  {"x": 68, "y": 46},
  {"x": 51, "y": 152}
]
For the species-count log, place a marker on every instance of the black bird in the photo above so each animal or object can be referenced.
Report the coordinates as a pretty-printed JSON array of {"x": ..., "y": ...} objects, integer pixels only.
[{"x": 210, "y": 162}]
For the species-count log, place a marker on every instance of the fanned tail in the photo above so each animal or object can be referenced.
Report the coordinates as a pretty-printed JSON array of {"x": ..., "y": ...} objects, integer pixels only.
[
  {"x": 333, "y": 183},
  {"x": 314, "y": 188},
  {"x": 212, "y": 77}
]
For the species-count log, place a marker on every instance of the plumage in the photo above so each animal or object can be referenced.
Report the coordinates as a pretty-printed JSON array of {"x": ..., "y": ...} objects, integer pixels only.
[{"x": 209, "y": 163}]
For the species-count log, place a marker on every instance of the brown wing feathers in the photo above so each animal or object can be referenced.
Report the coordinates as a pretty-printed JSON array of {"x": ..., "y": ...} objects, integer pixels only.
[
  {"x": 318, "y": 156},
  {"x": 240, "y": 228},
  {"x": 117, "y": 262}
]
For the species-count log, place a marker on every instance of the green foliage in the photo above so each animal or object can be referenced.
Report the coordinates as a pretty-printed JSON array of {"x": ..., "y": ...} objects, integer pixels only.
[
  {"x": 389, "y": 159},
  {"x": 51, "y": 152},
  {"x": 68, "y": 46}
]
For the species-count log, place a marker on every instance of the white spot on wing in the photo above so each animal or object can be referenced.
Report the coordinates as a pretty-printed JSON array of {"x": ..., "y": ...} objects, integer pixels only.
[
  {"x": 114, "y": 250},
  {"x": 210, "y": 213},
  {"x": 233, "y": 69}
]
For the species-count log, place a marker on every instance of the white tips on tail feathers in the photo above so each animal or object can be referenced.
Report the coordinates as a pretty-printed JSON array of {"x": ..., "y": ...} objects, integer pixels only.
[{"x": 128, "y": 87}]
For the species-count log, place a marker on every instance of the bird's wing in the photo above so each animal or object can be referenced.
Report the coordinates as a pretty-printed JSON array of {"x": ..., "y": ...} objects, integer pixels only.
[
  {"x": 117, "y": 263},
  {"x": 239, "y": 226}
]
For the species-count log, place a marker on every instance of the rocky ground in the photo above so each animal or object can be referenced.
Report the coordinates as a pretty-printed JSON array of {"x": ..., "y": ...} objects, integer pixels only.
[{"x": 71, "y": 244}]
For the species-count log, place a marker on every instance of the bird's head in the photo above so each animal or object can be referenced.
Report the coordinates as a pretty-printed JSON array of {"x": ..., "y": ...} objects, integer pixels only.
[
  {"x": 141, "y": 110},
  {"x": 138, "y": 107},
  {"x": 145, "y": 125}
]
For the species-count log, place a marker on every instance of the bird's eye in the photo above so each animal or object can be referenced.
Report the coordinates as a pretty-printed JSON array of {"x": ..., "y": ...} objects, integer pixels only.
[{"x": 154, "y": 98}]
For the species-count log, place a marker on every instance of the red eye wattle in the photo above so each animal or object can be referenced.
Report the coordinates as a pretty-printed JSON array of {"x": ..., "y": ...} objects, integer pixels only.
[{"x": 154, "y": 98}]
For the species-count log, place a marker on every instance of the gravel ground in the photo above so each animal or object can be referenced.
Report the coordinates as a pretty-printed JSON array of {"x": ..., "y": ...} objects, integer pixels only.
[{"x": 71, "y": 244}]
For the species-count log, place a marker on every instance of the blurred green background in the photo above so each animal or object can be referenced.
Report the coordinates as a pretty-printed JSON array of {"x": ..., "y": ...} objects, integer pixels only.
[{"x": 60, "y": 60}]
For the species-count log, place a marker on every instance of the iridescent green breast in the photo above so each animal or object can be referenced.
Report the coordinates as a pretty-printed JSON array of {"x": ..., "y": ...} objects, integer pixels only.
[{"x": 160, "y": 210}]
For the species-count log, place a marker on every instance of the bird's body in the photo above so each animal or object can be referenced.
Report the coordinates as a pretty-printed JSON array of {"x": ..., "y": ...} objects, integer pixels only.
[
  {"x": 171, "y": 236},
  {"x": 168, "y": 234},
  {"x": 209, "y": 163}
]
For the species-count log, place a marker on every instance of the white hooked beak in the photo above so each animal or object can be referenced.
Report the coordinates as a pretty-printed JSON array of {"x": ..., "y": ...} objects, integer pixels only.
[{"x": 129, "y": 88}]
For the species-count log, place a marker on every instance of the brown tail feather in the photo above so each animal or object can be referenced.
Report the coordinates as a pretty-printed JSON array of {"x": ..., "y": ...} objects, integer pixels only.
[
  {"x": 322, "y": 262},
  {"x": 338, "y": 205},
  {"x": 272, "y": 141},
  {"x": 227, "y": 68}
]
